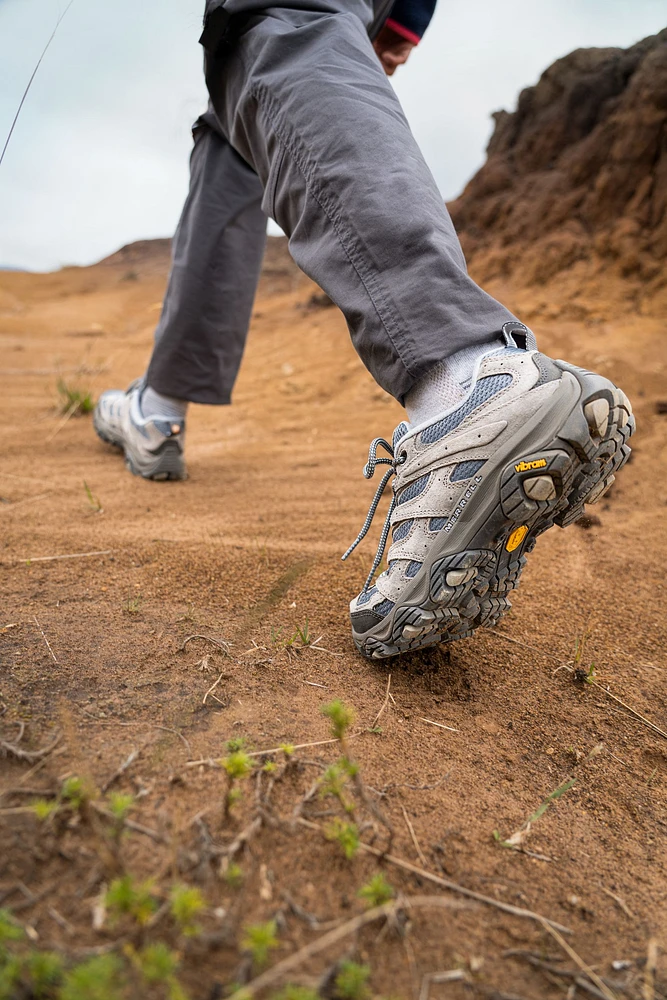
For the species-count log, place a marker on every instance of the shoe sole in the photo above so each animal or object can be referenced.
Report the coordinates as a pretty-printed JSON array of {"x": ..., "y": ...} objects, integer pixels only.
[
  {"x": 458, "y": 592},
  {"x": 166, "y": 463}
]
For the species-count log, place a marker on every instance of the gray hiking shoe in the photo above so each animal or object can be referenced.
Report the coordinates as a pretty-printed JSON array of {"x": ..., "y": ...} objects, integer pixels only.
[
  {"x": 533, "y": 441},
  {"x": 153, "y": 447}
]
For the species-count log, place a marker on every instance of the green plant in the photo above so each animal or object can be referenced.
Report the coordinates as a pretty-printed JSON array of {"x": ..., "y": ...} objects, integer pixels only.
[
  {"x": 44, "y": 808},
  {"x": 93, "y": 500},
  {"x": 125, "y": 897},
  {"x": 288, "y": 749},
  {"x": 352, "y": 981},
  {"x": 237, "y": 765},
  {"x": 259, "y": 940},
  {"x": 132, "y": 605},
  {"x": 185, "y": 904},
  {"x": 99, "y": 978},
  {"x": 9, "y": 929},
  {"x": 341, "y": 717},
  {"x": 76, "y": 792},
  {"x": 120, "y": 805},
  {"x": 158, "y": 964},
  {"x": 291, "y": 992},
  {"x": 346, "y": 836},
  {"x": 74, "y": 401},
  {"x": 44, "y": 971},
  {"x": 233, "y": 875},
  {"x": 333, "y": 782},
  {"x": 376, "y": 891},
  {"x": 235, "y": 744}
]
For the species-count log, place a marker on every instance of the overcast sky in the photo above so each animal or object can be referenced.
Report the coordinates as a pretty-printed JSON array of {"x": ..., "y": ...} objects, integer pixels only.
[{"x": 99, "y": 157}]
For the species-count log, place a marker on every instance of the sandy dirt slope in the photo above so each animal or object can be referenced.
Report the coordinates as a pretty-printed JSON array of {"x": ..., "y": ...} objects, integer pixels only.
[{"x": 247, "y": 550}]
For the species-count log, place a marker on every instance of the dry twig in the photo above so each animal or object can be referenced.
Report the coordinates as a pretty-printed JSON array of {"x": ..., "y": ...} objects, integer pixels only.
[
  {"x": 30, "y": 755},
  {"x": 413, "y": 835},
  {"x": 48, "y": 645},
  {"x": 383, "y": 706},
  {"x": 392, "y": 859}
]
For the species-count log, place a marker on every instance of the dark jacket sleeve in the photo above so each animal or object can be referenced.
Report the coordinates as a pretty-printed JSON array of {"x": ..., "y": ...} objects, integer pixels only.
[{"x": 411, "y": 18}]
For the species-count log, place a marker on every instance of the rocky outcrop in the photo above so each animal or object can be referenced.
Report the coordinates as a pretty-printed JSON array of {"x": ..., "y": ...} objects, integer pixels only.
[{"x": 576, "y": 177}]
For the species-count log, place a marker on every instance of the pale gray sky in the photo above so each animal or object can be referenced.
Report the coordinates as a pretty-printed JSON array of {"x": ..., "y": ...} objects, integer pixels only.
[{"x": 99, "y": 157}]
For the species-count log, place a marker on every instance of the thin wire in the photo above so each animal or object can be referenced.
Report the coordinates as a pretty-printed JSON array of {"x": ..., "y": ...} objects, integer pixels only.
[{"x": 34, "y": 74}]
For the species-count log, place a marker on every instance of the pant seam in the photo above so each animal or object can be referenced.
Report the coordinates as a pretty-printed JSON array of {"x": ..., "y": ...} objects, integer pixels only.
[{"x": 333, "y": 211}]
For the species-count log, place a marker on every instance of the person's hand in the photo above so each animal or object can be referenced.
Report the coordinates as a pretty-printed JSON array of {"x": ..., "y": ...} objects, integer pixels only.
[{"x": 392, "y": 50}]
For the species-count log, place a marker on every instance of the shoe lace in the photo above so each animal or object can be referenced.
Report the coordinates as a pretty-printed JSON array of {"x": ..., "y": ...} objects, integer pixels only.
[{"x": 369, "y": 471}]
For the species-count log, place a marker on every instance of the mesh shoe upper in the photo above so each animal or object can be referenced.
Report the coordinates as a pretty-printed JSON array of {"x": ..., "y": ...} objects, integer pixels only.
[{"x": 438, "y": 464}]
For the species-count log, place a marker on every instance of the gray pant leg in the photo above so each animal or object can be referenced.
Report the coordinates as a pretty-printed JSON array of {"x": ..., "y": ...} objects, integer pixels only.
[
  {"x": 302, "y": 97},
  {"x": 216, "y": 261}
]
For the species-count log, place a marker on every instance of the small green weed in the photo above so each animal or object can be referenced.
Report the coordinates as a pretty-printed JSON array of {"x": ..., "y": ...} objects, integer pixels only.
[
  {"x": 341, "y": 717},
  {"x": 93, "y": 501},
  {"x": 99, "y": 978},
  {"x": 345, "y": 834},
  {"x": 376, "y": 891},
  {"x": 352, "y": 981},
  {"x": 186, "y": 903},
  {"x": 76, "y": 792},
  {"x": 132, "y": 604},
  {"x": 259, "y": 940},
  {"x": 73, "y": 400},
  {"x": 125, "y": 897},
  {"x": 233, "y": 875},
  {"x": 44, "y": 808},
  {"x": 238, "y": 765},
  {"x": 290, "y": 992},
  {"x": 333, "y": 782}
]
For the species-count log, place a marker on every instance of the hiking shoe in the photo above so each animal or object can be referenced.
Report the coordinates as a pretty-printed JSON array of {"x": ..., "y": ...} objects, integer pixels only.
[
  {"x": 153, "y": 446},
  {"x": 533, "y": 441}
]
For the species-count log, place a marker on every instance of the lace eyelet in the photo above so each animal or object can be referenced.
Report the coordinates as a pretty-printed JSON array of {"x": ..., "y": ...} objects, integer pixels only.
[{"x": 402, "y": 458}]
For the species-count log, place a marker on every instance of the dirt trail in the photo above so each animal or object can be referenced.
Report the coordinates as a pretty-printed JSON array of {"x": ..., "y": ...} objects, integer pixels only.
[{"x": 246, "y": 551}]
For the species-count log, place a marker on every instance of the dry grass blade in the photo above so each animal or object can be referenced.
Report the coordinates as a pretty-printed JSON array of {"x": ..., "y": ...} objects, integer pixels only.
[
  {"x": 67, "y": 555},
  {"x": 383, "y": 706},
  {"x": 212, "y": 689},
  {"x": 619, "y": 902},
  {"x": 413, "y": 836},
  {"x": 69, "y": 413},
  {"x": 215, "y": 762},
  {"x": 48, "y": 644},
  {"x": 593, "y": 976},
  {"x": 220, "y": 643},
  {"x": 428, "y": 876},
  {"x": 648, "y": 986},
  {"x": 441, "y": 725}
]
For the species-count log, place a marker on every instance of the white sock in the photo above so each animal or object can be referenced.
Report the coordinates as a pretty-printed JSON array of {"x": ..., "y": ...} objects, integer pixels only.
[
  {"x": 446, "y": 384},
  {"x": 154, "y": 404}
]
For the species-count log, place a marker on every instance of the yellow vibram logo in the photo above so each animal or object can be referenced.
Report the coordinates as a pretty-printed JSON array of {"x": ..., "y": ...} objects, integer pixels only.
[
  {"x": 516, "y": 538},
  {"x": 539, "y": 463}
]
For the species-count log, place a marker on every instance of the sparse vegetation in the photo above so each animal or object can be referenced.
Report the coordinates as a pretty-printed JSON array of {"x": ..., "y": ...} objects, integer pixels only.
[
  {"x": 186, "y": 904},
  {"x": 352, "y": 981},
  {"x": 345, "y": 834},
  {"x": 237, "y": 766},
  {"x": 259, "y": 940},
  {"x": 376, "y": 891},
  {"x": 73, "y": 400},
  {"x": 127, "y": 897},
  {"x": 94, "y": 502}
]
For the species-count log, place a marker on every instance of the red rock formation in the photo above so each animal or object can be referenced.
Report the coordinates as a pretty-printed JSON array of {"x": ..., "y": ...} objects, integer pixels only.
[{"x": 576, "y": 177}]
